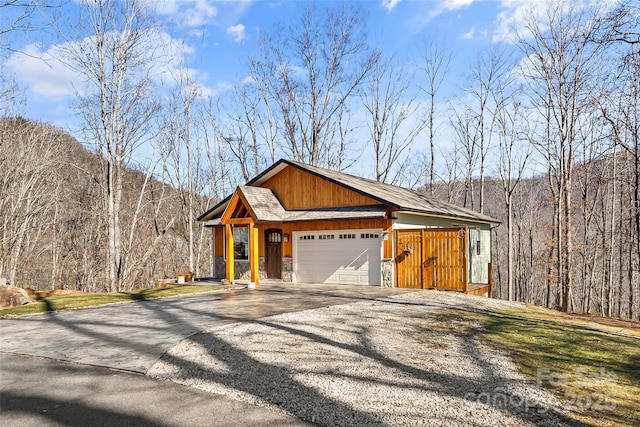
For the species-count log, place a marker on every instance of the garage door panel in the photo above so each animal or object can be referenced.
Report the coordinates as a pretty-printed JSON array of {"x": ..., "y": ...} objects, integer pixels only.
[{"x": 349, "y": 257}]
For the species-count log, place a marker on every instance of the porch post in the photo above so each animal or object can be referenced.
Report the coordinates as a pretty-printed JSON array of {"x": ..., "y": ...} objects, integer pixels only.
[
  {"x": 253, "y": 253},
  {"x": 229, "y": 248}
]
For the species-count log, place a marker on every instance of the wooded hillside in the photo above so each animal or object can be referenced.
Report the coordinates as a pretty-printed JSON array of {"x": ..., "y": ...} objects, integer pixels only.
[{"x": 53, "y": 232}]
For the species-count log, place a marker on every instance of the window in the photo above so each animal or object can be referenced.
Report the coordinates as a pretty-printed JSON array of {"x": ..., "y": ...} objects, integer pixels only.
[
  {"x": 369, "y": 236},
  {"x": 347, "y": 236},
  {"x": 241, "y": 242},
  {"x": 308, "y": 237},
  {"x": 326, "y": 236},
  {"x": 274, "y": 237}
]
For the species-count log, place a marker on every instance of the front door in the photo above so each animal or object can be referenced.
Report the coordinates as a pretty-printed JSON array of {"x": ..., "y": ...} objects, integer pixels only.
[{"x": 273, "y": 253}]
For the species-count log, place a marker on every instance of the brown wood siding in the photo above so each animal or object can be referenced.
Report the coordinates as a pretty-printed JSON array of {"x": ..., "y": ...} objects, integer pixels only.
[
  {"x": 290, "y": 227},
  {"x": 409, "y": 259},
  {"x": 297, "y": 189},
  {"x": 432, "y": 258},
  {"x": 219, "y": 240}
]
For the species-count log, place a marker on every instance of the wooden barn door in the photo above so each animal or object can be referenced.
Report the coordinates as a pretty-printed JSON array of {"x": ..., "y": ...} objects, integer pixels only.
[
  {"x": 432, "y": 258},
  {"x": 409, "y": 259}
]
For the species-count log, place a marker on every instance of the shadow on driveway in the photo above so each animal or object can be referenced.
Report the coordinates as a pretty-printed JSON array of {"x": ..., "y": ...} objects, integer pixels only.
[{"x": 133, "y": 336}]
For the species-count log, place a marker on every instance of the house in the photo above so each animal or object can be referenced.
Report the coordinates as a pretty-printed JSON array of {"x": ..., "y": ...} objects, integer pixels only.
[{"x": 300, "y": 223}]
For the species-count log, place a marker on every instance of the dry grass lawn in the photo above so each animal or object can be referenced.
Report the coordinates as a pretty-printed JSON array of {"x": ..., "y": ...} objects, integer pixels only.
[{"x": 592, "y": 364}]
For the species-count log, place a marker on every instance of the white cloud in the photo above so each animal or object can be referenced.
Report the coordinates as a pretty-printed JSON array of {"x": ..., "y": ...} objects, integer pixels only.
[
  {"x": 390, "y": 4},
  {"x": 237, "y": 32},
  {"x": 43, "y": 72},
  {"x": 248, "y": 80},
  {"x": 46, "y": 75},
  {"x": 443, "y": 6},
  {"x": 474, "y": 33},
  {"x": 469, "y": 34},
  {"x": 511, "y": 21},
  {"x": 222, "y": 86},
  {"x": 190, "y": 13},
  {"x": 514, "y": 15},
  {"x": 431, "y": 9}
]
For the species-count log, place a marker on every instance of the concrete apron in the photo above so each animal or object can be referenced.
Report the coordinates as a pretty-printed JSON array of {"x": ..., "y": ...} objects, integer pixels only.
[{"x": 133, "y": 336}]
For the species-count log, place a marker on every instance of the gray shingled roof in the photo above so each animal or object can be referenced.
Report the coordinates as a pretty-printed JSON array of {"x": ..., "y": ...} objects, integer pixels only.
[
  {"x": 398, "y": 197},
  {"x": 393, "y": 196},
  {"x": 264, "y": 203},
  {"x": 267, "y": 208}
]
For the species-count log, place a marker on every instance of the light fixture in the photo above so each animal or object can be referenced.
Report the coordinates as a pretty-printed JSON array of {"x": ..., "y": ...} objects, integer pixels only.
[
  {"x": 385, "y": 235},
  {"x": 285, "y": 238}
]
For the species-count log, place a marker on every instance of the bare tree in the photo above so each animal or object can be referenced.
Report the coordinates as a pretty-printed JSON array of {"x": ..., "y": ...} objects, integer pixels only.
[
  {"x": 309, "y": 73},
  {"x": 29, "y": 153},
  {"x": 481, "y": 106},
  {"x": 14, "y": 17},
  {"x": 250, "y": 131},
  {"x": 559, "y": 57},
  {"x": 435, "y": 62},
  {"x": 463, "y": 125},
  {"x": 178, "y": 147},
  {"x": 514, "y": 153},
  {"x": 621, "y": 112},
  {"x": 390, "y": 113},
  {"x": 452, "y": 173},
  {"x": 116, "y": 54}
]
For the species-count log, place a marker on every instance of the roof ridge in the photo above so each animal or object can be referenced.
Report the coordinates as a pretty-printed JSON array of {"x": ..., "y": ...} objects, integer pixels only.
[
  {"x": 393, "y": 196},
  {"x": 390, "y": 187}
]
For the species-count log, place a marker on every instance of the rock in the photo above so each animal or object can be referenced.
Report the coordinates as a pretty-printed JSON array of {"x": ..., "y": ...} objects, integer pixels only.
[{"x": 12, "y": 297}]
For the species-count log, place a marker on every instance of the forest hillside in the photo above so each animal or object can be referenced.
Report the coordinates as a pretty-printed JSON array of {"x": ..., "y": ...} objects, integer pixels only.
[{"x": 53, "y": 232}]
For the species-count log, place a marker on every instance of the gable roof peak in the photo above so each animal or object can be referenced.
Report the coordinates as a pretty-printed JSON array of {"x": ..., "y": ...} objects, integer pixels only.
[{"x": 400, "y": 198}]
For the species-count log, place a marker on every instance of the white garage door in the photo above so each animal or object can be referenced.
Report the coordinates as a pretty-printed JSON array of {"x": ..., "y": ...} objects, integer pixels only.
[{"x": 350, "y": 257}]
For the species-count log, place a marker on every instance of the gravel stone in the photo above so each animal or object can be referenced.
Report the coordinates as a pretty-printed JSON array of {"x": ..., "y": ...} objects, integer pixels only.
[{"x": 410, "y": 359}]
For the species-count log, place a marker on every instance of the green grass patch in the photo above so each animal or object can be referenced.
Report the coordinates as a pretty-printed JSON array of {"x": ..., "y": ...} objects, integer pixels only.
[
  {"x": 593, "y": 369},
  {"x": 67, "y": 302}
]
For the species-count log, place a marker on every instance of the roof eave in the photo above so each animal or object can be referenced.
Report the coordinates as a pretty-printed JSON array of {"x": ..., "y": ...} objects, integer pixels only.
[
  {"x": 205, "y": 216},
  {"x": 489, "y": 221}
]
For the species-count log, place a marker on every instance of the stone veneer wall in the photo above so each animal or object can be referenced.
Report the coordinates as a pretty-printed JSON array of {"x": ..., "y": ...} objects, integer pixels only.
[
  {"x": 220, "y": 267},
  {"x": 287, "y": 269},
  {"x": 387, "y": 273},
  {"x": 242, "y": 269}
]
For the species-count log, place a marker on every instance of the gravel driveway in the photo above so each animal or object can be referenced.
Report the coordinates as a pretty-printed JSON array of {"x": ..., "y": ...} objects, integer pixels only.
[{"x": 412, "y": 359}]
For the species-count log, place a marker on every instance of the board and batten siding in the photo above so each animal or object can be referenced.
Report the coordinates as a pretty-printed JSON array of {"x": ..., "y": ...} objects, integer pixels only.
[
  {"x": 218, "y": 233},
  {"x": 297, "y": 189},
  {"x": 432, "y": 257},
  {"x": 478, "y": 264}
]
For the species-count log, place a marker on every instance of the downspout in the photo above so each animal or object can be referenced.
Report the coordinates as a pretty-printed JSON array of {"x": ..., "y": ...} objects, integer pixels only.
[{"x": 490, "y": 266}]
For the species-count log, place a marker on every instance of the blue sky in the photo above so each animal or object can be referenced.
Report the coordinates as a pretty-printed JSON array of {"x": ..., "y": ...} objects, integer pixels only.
[
  {"x": 221, "y": 34},
  {"x": 213, "y": 39}
]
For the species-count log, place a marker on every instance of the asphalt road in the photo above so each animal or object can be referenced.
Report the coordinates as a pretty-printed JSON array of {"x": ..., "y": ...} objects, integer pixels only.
[{"x": 42, "y": 392}]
